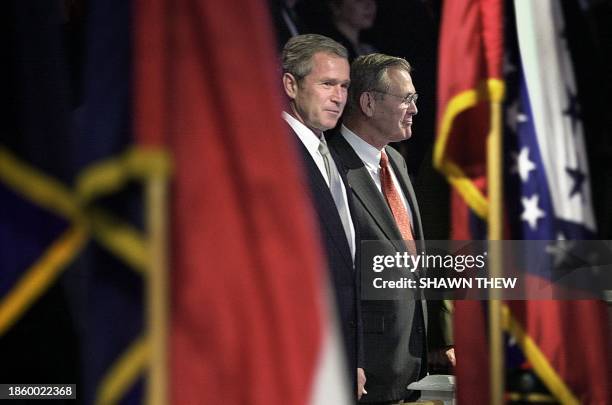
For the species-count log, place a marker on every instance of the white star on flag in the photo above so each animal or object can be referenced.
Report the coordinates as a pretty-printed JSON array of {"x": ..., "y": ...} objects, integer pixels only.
[
  {"x": 559, "y": 249},
  {"x": 531, "y": 211},
  {"x": 523, "y": 165},
  {"x": 522, "y": 118}
]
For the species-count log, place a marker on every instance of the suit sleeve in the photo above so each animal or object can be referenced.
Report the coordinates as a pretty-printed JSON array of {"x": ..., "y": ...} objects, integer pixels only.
[{"x": 440, "y": 323}]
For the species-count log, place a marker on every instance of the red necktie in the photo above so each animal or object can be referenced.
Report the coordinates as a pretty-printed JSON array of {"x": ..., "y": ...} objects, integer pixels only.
[{"x": 394, "y": 199}]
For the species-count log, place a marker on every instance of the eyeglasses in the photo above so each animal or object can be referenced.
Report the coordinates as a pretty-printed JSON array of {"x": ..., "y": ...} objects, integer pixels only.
[{"x": 407, "y": 99}]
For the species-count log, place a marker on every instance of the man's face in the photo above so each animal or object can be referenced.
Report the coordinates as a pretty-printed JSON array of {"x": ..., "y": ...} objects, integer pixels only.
[
  {"x": 319, "y": 98},
  {"x": 393, "y": 117}
]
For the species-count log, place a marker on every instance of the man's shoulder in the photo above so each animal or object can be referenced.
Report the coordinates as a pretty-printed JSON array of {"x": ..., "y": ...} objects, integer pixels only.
[
  {"x": 399, "y": 165},
  {"x": 333, "y": 136},
  {"x": 336, "y": 141},
  {"x": 395, "y": 155},
  {"x": 343, "y": 149}
]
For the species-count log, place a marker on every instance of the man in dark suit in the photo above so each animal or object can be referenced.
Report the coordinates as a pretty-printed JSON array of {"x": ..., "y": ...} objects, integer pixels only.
[
  {"x": 316, "y": 81},
  {"x": 380, "y": 110}
]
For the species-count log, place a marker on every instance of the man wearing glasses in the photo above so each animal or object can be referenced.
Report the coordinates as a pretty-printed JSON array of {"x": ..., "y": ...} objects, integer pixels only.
[{"x": 380, "y": 109}]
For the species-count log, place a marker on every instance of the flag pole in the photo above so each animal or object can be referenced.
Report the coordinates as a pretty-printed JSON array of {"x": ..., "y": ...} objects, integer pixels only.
[
  {"x": 495, "y": 215},
  {"x": 157, "y": 288}
]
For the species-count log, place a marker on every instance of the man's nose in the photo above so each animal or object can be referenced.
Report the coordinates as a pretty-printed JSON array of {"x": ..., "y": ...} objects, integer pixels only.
[
  {"x": 412, "y": 108},
  {"x": 338, "y": 94}
]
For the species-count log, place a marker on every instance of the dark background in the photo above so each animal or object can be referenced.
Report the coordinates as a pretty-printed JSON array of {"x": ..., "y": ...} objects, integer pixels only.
[{"x": 43, "y": 346}]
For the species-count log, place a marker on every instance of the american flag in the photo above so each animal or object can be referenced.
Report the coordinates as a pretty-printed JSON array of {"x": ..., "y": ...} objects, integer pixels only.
[
  {"x": 548, "y": 197},
  {"x": 547, "y": 158},
  {"x": 546, "y": 181}
]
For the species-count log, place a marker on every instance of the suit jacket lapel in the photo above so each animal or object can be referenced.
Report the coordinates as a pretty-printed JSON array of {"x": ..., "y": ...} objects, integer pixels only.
[
  {"x": 325, "y": 206},
  {"x": 365, "y": 190}
]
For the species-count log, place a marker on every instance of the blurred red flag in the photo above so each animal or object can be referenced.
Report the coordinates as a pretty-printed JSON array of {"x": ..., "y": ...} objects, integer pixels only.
[
  {"x": 247, "y": 323},
  {"x": 469, "y": 79}
]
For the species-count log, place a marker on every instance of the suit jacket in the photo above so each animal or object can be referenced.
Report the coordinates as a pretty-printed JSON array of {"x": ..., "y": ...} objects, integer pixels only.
[
  {"x": 394, "y": 330},
  {"x": 343, "y": 274}
]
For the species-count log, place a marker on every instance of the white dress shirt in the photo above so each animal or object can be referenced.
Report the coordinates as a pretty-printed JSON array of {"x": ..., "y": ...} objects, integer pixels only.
[{"x": 311, "y": 142}]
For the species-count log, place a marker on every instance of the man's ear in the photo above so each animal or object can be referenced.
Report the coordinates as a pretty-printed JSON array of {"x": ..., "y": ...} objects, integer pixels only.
[
  {"x": 290, "y": 85},
  {"x": 367, "y": 103}
]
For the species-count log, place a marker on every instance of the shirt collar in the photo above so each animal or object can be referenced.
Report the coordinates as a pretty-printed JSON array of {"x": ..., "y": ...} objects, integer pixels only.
[
  {"x": 366, "y": 152},
  {"x": 307, "y": 136}
]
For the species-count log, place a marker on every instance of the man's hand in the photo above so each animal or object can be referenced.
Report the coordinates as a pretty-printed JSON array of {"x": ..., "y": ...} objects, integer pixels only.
[
  {"x": 361, "y": 380},
  {"x": 442, "y": 359},
  {"x": 450, "y": 355}
]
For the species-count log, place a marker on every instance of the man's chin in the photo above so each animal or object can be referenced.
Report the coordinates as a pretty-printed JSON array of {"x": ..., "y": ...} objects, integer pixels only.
[
  {"x": 406, "y": 133},
  {"x": 402, "y": 137}
]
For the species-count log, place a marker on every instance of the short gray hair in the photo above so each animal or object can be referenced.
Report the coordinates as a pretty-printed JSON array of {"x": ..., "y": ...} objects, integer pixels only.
[
  {"x": 299, "y": 50},
  {"x": 370, "y": 72}
]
